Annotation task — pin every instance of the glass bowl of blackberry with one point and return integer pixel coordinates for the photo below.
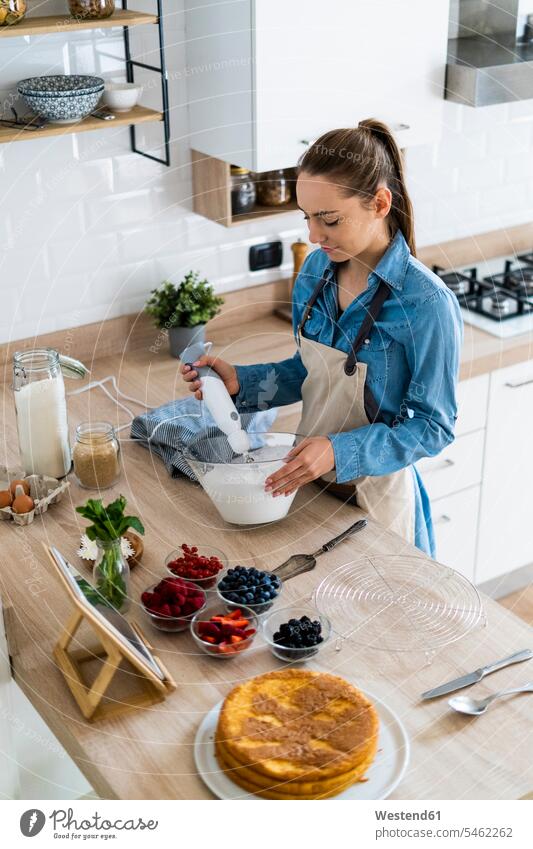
(252, 587)
(294, 634)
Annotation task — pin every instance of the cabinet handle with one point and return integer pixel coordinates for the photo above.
(442, 520)
(304, 141)
(403, 127)
(446, 464)
(519, 383)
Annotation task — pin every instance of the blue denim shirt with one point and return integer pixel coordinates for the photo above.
(412, 358)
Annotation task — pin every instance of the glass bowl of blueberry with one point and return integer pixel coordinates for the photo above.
(252, 587)
(294, 634)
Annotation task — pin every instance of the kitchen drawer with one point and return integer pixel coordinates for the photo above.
(459, 466)
(455, 522)
(472, 400)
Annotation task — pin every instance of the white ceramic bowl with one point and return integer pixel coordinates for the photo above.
(62, 98)
(121, 97)
(237, 488)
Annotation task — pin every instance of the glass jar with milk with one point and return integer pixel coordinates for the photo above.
(41, 408)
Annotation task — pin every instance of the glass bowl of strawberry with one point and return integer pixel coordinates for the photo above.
(224, 630)
(171, 604)
(199, 564)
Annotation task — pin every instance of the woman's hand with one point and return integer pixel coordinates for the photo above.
(308, 460)
(225, 370)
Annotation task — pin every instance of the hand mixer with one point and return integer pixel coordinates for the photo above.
(217, 398)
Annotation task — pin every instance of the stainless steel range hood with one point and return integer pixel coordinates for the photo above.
(490, 56)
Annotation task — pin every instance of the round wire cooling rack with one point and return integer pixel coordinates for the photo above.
(399, 603)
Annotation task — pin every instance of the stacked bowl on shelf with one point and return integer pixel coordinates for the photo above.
(62, 98)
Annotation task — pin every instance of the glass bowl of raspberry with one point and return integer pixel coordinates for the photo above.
(199, 564)
(171, 604)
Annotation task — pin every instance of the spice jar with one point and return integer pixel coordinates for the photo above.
(11, 11)
(274, 188)
(242, 190)
(91, 8)
(96, 455)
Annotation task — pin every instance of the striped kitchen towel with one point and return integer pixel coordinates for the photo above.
(169, 429)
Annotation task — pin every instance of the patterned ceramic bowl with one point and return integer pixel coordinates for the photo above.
(62, 98)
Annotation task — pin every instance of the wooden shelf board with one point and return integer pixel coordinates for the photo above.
(137, 115)
(262, 212)
(39, 25)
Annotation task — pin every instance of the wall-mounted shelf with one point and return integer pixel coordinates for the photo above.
(211, 180)
(124, 18)
(137, 115)
(40, 25)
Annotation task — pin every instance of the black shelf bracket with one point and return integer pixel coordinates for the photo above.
(162, 71)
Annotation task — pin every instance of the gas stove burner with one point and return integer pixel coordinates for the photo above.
(521, 278)
(457, 284)
(497, 296)
(454, 280)
(499, 303)
(528, 257)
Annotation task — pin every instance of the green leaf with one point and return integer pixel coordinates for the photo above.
(131, 522)
(108, 523)
(191, 303)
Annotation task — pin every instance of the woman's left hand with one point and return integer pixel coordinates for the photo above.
(308, 460)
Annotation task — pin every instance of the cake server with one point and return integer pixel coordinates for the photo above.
(477, 675)
(299, 563)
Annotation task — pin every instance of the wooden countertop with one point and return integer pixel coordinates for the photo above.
(148, 754)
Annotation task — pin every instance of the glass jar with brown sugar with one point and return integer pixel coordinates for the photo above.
(96, 455)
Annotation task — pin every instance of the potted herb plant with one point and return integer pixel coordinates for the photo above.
(111, 569)
(183, 310)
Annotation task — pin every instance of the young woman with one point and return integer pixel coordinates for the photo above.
(378, 339)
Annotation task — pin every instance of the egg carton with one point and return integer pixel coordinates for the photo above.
(44, 490)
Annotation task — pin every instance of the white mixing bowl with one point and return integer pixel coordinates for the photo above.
(237, 487)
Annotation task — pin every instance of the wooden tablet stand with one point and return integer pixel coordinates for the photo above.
(90, 698)
(113, 649)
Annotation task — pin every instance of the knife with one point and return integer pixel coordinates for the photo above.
(474, 677)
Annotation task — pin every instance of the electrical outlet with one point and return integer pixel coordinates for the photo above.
(266, 255)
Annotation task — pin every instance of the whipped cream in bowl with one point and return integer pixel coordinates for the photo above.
(235, 483)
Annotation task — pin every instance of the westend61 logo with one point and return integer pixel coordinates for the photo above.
(65, 825)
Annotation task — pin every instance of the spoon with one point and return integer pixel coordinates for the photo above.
(475, 707)
(299, 563)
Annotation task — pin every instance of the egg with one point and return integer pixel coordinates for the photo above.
(5, 498)
(24, 484)
(22, 504)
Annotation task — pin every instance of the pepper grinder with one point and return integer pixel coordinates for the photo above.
(299, 252)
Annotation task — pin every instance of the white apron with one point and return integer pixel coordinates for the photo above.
(336, 399)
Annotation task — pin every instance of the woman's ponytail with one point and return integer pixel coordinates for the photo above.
(361, 159)
(402, 208)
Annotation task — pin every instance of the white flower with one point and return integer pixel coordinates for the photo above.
(88, 549)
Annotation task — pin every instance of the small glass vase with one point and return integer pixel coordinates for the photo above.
(112, 575)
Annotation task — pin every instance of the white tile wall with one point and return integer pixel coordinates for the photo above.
(88, 228)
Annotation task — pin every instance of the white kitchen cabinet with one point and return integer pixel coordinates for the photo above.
(9, 771)
(472, 400)
(459, 466)
(266, 76)
(506, 510)
(455, 520)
